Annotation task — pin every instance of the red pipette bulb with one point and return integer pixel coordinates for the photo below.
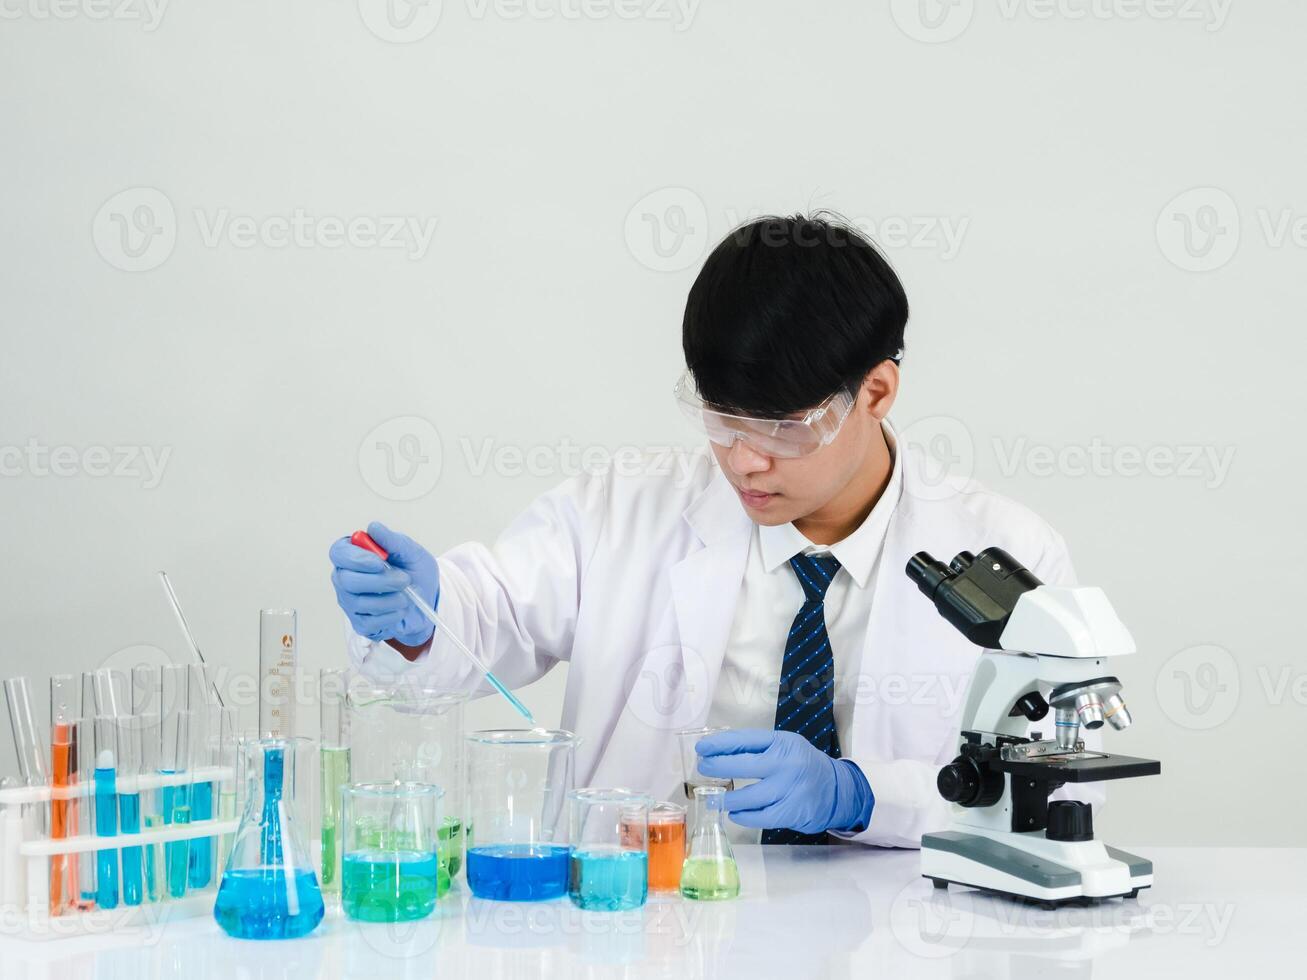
(364, 540)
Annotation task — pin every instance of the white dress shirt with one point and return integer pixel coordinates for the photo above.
(770, 597)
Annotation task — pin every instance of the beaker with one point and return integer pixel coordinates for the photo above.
(269, 890)
(391, 869)
(689, 738)
(610, 849)
(518, 781)
(666, 846)
(710, 872)
(411, 733)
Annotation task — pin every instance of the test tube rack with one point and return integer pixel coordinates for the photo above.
(25, 853)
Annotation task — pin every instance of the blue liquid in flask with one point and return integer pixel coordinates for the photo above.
(263, 903)
(518, 872)
(276, 895)
(609, 880)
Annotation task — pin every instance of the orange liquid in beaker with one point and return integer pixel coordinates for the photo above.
(666, 855)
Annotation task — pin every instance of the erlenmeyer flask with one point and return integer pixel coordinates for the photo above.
(269, 890)
(710, 873)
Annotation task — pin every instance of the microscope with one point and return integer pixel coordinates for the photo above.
(1045, 649)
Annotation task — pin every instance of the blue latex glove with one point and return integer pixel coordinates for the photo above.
(799, 786)
(372, 591)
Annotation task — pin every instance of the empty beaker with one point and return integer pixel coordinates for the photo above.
(391, 869)
(516, 828)
(269, 890)
(609, 869)
(710, 872)
(411, 732)
(666, 846)
(689, 738)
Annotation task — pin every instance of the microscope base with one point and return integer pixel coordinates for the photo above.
(1030, 866)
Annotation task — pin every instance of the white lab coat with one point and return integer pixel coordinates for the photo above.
(633, 580)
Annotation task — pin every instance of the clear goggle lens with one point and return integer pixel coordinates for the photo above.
(786, 438)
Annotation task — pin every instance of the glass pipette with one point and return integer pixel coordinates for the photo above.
(363, 540)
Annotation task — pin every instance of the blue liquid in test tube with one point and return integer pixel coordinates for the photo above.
(129, 819)
(201, 849)
(518, 872)
(106, 825)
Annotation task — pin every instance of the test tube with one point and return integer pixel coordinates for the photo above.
(145, 690)
(27, 746)
(334, 751)
(112, 696)
(84, 774)
(203, 733)
(28, 821)
(174, 759)
(63, 810)
(106, 809)
(151, 804)
(226, 759)
(277, 663)
(129, 805)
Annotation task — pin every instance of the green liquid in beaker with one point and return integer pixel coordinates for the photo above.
(391, 886)
(710, 879)
(451, 845)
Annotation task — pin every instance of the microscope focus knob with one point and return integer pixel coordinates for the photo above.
(1070, 820)
(968, 783)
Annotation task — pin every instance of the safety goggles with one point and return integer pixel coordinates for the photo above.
(786, 438)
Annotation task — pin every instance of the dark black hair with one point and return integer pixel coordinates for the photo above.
(787, 311)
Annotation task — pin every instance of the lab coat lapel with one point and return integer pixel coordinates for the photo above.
(904, 632)
(677, 679)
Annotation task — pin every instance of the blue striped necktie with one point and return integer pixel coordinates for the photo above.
(805, 702)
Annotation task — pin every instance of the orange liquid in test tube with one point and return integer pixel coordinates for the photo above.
(63, 822)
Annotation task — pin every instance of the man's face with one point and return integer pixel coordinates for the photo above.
(778, 491)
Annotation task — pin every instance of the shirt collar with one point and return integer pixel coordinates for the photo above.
(859, 551)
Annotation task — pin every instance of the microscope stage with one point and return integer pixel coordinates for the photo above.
(1083, 767)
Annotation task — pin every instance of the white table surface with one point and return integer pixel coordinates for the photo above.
(845, 911)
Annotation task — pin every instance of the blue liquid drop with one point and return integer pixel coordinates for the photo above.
(518, 872)
(253, 904)
(609, 880)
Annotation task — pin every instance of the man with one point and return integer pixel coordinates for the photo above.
(765, 593)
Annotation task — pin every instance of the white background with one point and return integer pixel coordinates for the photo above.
(1089, 296)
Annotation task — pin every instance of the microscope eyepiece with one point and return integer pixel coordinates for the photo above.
(976, 593)
(928, 573)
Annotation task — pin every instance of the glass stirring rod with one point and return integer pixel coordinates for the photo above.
(362, 539)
